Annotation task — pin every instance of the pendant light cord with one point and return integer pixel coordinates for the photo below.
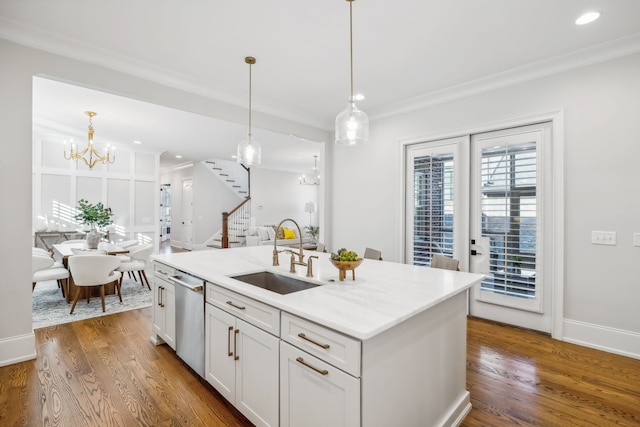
(250, 98)
(351, 44)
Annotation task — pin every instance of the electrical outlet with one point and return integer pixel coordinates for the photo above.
(603, 238)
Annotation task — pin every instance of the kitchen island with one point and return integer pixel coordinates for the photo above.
(386, 349)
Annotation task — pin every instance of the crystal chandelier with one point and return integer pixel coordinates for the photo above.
(89, 154)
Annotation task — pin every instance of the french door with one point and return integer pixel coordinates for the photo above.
(482, 200)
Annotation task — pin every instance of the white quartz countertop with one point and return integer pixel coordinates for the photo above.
(383, 295)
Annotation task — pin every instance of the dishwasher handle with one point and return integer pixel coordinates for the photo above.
(194, 288)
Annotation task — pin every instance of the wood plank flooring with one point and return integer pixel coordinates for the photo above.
(105, 371)
(524, 378)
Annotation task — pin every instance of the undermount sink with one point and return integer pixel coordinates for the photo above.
(275, 282)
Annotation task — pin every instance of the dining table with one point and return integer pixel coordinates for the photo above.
(64, 250)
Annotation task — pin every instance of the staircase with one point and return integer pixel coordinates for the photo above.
(232, 174)
(234, 224)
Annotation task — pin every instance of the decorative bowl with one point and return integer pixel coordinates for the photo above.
(344, 266)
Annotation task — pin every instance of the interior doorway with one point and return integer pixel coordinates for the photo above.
(165, 212)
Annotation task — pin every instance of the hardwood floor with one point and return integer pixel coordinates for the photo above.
(523, 378)
(105, 371)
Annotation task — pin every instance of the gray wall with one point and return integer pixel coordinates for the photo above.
(602, 146)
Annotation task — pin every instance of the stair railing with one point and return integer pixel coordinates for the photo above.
(235, 221)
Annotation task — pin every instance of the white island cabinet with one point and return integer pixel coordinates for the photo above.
(164, 306)
(241, 360)
(388, 349)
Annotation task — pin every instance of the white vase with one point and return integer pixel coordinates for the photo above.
(93, 238)
(42, 223)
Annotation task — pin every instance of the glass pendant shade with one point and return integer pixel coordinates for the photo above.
(352, 126)
(249, 152)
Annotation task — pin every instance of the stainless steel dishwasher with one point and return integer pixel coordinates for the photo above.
(190, 320)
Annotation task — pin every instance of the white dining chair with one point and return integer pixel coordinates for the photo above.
(140, 258)
(93, 270)
(372, 254)
(444, 262)
(44, 268)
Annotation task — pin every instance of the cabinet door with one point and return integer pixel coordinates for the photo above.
(219, 367)
(257, 374)
(169, 300)
(158, 311)
(314, 393)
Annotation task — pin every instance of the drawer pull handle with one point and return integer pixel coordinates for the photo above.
(235, 342)
(304, 337)
(236, 306)
(229, 341)
(320, 371)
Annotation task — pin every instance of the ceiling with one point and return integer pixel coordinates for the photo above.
(406, 54)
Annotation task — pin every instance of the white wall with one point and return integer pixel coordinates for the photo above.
(18, 66)
(211, 197)
(276, 195)
(129, 187)
(602, 146)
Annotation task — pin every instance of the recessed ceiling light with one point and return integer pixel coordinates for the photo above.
(137, 142)
(178, 156)
(234, 157)
(588, 17)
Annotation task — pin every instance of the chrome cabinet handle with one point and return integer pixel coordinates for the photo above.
(320, 371)
(235, 342)
(229, 341)
(236, 306)
(304, 337)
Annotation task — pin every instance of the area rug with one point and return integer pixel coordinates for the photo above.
(51, 308)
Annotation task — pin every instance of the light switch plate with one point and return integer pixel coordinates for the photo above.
(603, 238)
(636, 239)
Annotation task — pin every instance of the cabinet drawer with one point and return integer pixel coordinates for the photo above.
(258, 314)
(162, 270)
(339, 350)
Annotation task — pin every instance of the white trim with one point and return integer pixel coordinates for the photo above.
(611, 340)
(17, 349)
(37, 38)
(580, 58)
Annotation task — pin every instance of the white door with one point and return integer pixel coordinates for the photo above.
(507, 228)
(437, 191)
(187, 214)
(484, 199)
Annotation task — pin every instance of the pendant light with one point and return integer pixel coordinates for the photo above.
(249, 151)
(352, 125)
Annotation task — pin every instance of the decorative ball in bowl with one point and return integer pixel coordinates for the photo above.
(344, 261)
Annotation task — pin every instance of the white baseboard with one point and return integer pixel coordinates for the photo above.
(460, 411)
(603, 338)
(17, 349)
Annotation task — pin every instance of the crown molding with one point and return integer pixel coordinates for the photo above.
(37, 38)
(580, 58)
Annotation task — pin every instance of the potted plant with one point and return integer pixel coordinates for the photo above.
(94, 216)
(312, 231)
